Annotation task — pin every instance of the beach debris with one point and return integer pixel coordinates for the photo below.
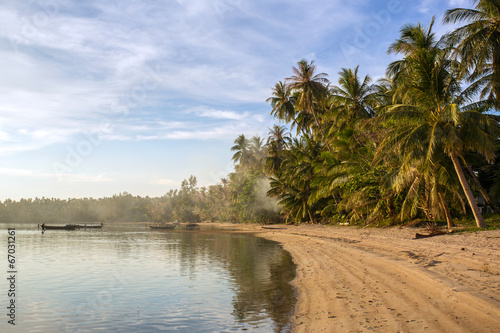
(432, 234)
(433, 230)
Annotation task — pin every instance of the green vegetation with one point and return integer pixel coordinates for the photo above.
(467, 224)
(419, 144)
(415, 145)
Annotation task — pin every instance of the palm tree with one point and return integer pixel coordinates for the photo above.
(279, 135)
(293, 186)
(425, 185)
(413, 39)
(310, 88)
(241, 149)
(430, 116)
(258, 152)
(478, 43)
(355, 98)
(278, 140)
(282, 102)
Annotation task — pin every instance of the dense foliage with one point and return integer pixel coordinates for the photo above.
(413, 145)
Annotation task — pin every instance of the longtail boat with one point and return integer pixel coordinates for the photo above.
(164, 226)
(59, 227)
(90, 226)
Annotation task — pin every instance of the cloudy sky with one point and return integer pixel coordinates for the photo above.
(101, 97)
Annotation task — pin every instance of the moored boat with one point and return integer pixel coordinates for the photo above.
(164, 226)
(59, 227)
(90, 225)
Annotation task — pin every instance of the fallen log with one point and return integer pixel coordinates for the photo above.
(432, 234)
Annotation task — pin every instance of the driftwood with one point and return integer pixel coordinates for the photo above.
(432, 234)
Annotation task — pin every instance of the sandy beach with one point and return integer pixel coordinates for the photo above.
(383, 280)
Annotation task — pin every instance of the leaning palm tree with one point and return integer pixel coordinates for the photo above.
(425, 184)
(478, 43)
(432, 116)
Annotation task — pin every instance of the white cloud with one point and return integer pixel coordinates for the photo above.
(67, 177)
(82, 177)
(85, 62)
(4, 136)
(166, 182)
(221, 114)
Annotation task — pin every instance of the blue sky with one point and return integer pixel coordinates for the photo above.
(101, 97)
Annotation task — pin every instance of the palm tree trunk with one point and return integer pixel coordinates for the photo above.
(468, 193)
(300, 128)
(495, 77)
(449, 219)
(310, 216)
(480, 187)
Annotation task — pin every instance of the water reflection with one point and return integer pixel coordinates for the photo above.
(126, 278)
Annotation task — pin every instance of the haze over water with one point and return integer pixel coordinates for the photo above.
(125, 278)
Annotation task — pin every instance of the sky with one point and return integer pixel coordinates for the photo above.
(102, 97)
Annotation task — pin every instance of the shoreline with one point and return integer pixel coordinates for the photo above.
(352, 279)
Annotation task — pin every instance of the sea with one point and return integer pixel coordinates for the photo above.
(127, 277)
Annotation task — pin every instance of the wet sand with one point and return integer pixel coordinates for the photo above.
(383, 280)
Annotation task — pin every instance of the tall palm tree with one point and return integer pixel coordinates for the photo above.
(249, 154)
(430, 116)
(310, 87)
(413, 39)
(478, 43)
(416, 43)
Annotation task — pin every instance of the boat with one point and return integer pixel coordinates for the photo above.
(90, 226)
(192, 226)
(59, 227)
(164, 226)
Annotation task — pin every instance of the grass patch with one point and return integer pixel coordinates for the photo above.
(468, 224)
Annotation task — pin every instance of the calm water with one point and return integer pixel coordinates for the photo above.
(125, 278)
